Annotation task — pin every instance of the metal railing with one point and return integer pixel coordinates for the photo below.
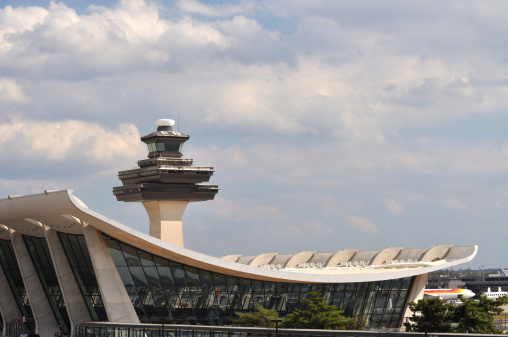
(99, 329)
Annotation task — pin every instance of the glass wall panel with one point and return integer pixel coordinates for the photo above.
(146, 259)
(40, 256)
(187, 295)
(159, 147)
(208, 288)
(115, 252)
(79, 259)
(11, 270)
(281, 290)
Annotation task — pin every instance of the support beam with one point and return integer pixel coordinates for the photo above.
(415, 294)
(166, 220)
(74, 301)
(45, 321)
(118, 305)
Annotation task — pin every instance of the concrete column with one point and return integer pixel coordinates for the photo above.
(45, 321)
(415, 294)
(118, 305)
(74, 301)
(166, 220)
(8, 305)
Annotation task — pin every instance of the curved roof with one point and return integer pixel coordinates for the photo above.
(64, 212)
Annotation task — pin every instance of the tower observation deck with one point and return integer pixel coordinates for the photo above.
(165, 182)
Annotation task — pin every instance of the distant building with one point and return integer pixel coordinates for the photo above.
(63, 263)
(475, 283)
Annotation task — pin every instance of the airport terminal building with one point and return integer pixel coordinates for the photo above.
(63, 264)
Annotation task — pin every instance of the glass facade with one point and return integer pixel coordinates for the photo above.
(79, 259)
(41, 258)
(164, 290)
(11, 270)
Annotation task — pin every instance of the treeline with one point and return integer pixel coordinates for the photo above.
(470, 316)
(431, 315)
(319, 314)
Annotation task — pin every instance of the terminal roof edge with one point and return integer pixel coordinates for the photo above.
(69, 213)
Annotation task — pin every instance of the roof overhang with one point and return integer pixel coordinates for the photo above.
(64, 212)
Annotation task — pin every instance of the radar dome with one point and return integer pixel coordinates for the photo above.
(164, 122)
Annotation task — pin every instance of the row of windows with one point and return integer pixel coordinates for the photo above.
(161, 147)
(79, 259)
(163, 289)
(160, 288)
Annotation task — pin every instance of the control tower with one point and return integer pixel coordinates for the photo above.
(165, 182)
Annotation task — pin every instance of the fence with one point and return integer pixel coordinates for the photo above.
(97, 329)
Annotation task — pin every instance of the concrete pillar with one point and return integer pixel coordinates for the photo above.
(114, 296)
(166, 220)
(74, 301)
(45, 321)
(8, 305)
(415, 294)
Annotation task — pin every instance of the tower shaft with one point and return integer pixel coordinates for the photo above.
(166, 220)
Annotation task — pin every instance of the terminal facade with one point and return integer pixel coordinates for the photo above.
(63, 264)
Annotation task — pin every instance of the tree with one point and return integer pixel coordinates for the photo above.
(477, 316)
(433, 311)
(471, 316)
(260, 317)
(319, 314)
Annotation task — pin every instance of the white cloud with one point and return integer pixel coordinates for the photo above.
(38, 142)
(11, 91)
(26, 186)
(361, 224)
(318, 227)
(61, 42)
(394, 206)
(196, 7)
(244, 210)
(15, 20)
(454, 203)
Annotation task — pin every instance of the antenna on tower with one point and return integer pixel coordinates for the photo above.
(178, 117)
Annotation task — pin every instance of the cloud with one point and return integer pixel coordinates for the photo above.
(244, 211)
(29, 185)
(308, 110)
(32, 144)
(58, 42)
(454, 203)
(196, 7)
(394, 206)
(361, 224)
(318, 227)
(11, 91)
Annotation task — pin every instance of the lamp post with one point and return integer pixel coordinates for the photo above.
(162, 322)
(426, 325)
(277, 321)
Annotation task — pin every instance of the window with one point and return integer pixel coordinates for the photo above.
(164, 147)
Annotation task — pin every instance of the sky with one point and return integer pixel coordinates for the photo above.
(330, 124)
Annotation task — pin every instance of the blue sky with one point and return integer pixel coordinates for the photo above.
(331, 125)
